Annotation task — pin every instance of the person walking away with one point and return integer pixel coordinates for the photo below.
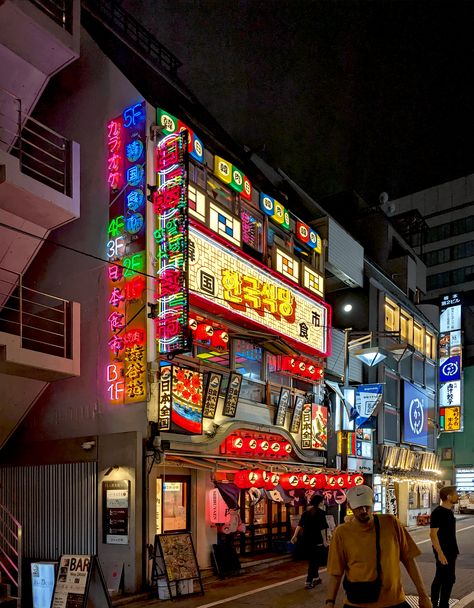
(367, 551)
(314, 526)
(445, 547)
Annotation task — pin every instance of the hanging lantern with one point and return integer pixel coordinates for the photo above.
(286, 448)
(331, 482)
(358, 479)
(204, 332)
(192, 324)
(234, 444)
(289, 481)
(256, 478)
(340, 481)
(246, 479)
(250, 445)
(275, 447)
(304, 480)
(263, 446)
(313, 481)
(241, 480)
(320, 481)
(273, 479)
(220, 339)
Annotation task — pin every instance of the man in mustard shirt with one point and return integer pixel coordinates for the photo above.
(352, 553)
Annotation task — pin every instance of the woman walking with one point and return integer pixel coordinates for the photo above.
(314, 526)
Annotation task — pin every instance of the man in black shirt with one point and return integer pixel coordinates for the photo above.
(314, 526)
(445, 547)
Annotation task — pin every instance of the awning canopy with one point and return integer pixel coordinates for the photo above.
(213, 463)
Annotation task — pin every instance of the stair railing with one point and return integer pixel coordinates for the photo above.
(11, 534)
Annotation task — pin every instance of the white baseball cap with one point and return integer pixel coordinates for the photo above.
(360, 496)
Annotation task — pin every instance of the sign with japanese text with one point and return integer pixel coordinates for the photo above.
(126, 244)
(170, 207)
(306, 427)
(450, 387)
(319, 427)
(297, 411)
(232, 395)
(180, 404)
(237, 287)
(367, 399)
(212, 392)
(417, 408)
(115, 511)
(282, 407)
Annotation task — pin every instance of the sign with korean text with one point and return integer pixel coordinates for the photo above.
(239, 288)
(233, 177)
(170, 207)
(125, 250)
(275, 210)
(180, 400)
(171, 125)
(211, 399)
(232, 395)
(308, 236)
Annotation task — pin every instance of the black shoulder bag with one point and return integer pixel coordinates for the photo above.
(366, 592)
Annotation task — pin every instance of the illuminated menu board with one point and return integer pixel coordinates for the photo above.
(450, 365)
(125, 249)
(171, 235)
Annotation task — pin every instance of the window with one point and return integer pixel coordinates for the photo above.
(430, 376)
(219, 193)
(406, 327)
(172, 503)
(429, 345)
(252, 227)
(197, 175)
(391, 390)
(439, 256)
(392, 315)
(463, 250)
(418, 370)
(272, 372)
(419, 337)
(248, 359)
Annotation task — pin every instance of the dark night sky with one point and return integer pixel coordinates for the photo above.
(365, 95)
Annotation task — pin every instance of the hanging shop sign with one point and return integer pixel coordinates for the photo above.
(180, 400)
(275, 210)
(126, 244)
(233, 177)
(417, 408)
(171, 125)
(283, 404)
(368, 397)
(170, 207)
(238, 288)
(211, 394)
(297, 412)
(232, 395)
(314, 420)
(248, 443)
(450, 389)
(308, 236)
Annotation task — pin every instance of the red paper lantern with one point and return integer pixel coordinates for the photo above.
(275, 448)
(313, 482)
(252, 478)
(220, 339)
(256, 478)
(241, 480)
(192, 324)
(263, 446)
(289, 481)
(340, 481)
(204, 332)
(285, 448)
(234, 444)
(331, 482)
(358, 479)
(250, 445)
(320, 481)
(304, 480)
(270, 480)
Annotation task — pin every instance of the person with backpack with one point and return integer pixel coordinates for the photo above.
(314, 526)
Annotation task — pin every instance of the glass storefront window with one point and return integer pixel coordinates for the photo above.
(172, 504)
(248, 359)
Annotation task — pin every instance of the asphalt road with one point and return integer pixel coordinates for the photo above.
(283, 585)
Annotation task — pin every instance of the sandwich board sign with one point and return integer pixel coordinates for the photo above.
(80, 583)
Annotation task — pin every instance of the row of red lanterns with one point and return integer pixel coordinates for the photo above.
(205, 332)
(301, 367)
(235, 444)
(257, 478)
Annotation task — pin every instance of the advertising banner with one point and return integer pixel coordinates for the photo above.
(368, 397)
(417, 408)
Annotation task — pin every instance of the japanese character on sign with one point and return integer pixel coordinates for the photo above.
(115, 321)
(116, 297)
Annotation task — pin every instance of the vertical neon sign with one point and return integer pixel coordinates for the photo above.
(170, 206)
(126, 244)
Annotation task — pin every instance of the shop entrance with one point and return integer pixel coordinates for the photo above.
(173, 503)
(267, 523)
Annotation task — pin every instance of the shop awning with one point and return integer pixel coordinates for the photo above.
(212, 462)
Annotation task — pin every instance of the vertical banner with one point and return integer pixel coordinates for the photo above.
(171, 235)
(296, 417)
(232, 395)
(213, 387)
(451, 416)
(314, 422)
(283, 404)
(126, 244)
(180, 405)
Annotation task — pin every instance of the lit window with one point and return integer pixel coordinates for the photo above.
(392, 312)
(418, 337)
(429, 345)
(406, 327)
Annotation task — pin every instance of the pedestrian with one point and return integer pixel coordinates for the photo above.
(445, 547)
(367, 551)
(314, 526)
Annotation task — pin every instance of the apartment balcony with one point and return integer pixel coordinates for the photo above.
(38, 38)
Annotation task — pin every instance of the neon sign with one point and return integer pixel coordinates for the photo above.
(236, 287)
(233, 177)
(170, 206)
(171, 125)
(275, 210)
(126, 320)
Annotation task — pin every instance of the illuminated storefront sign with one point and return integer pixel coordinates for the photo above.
(238, 287)
(450, 365)
(417, 408)
(180, 400)
(171, 125)
(233, 177)
(314, 421)
(307, 235)
(170, 206)
(275, 210)
(125, 249)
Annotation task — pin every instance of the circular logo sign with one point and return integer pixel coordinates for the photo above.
(416, 416)
(450, 369)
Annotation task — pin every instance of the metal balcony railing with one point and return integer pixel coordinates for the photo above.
(59, 11)
(44, 154)
(10, 550)
(41, 320)
(124, 25)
